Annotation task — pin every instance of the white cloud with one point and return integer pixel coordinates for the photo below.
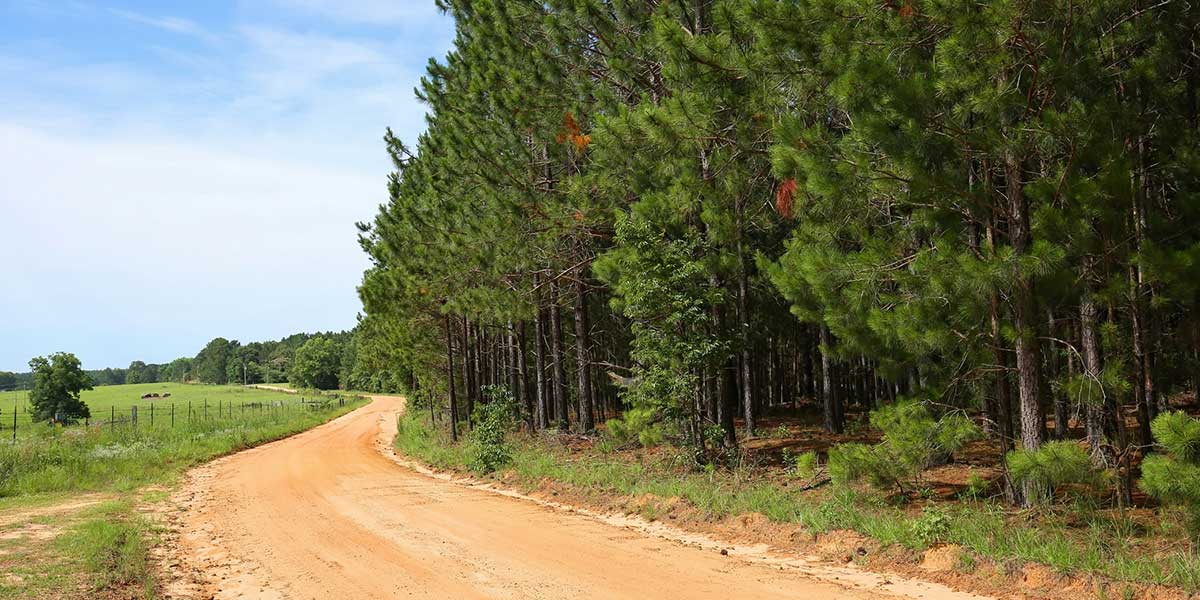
(166, 193)
(149, 238)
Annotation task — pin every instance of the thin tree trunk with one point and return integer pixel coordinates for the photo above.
(1097, 403)
(726, 386)
(829, 396)
(1028, 350)
(1061, 410)
(556, 350)
(544, 395)
(470, 371)
(450, 379)
(743, 300)
(523, 373)
(582, 359)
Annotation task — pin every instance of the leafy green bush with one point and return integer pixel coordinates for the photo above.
(1175, 477)
(931, 527)
(642, 424)
(912, 442)
(1052, 466)
(492, 422)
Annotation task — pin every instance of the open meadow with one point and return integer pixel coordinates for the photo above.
(116, 402)
(73, 497)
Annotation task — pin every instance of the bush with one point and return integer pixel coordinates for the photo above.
(1052, 466)
(804, 465)
(641, 424)
(492, 422)
(1175, 477)
(912, 442)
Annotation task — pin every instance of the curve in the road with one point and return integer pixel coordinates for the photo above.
(327, 514)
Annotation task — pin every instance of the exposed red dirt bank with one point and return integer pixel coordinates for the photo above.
(329, 514)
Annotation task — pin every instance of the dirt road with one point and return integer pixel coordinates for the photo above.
(329, 514)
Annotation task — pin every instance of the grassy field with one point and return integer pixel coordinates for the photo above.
(71, 524)
(117, 401)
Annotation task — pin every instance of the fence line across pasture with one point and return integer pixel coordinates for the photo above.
(174, 414)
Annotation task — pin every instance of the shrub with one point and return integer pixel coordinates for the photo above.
(640, 424)
(1052, 466)
(805, 465)
(931, 527)
(912, 442)
(1174, 478)
(492, 422)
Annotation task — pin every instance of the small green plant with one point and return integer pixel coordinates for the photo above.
(977, 486)
(804, 465)
(912, 442)
(931, 527)
(493, 420)
(641, 424)
(781, 432)
(1174, 478)
(1052, 466)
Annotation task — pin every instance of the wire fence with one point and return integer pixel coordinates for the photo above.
(169, 414)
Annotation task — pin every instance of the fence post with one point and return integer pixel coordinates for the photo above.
(133, 416)
(112, 416)
(206, 409)
(172, 415)
(152, 415)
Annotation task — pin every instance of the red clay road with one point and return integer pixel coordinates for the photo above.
(329, 514)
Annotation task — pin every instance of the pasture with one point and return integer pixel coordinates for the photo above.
(116, 403)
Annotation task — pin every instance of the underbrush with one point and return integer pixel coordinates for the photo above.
(1071, 539)
(123, 457)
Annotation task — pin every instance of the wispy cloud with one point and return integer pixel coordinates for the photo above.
(167, 23)
(160, 191)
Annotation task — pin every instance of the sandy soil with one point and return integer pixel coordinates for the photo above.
(331, 513)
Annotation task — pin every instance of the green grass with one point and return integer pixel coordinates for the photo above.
(113, 543)
(1068, 539)
(109, 401)
(125, 456)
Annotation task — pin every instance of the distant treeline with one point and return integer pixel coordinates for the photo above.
(346, 360)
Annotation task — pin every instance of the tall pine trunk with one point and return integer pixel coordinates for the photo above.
(544, 396)
(526, 396)
(743, 300)
(583, 364)
(1028, 351)
(1097, 408)
(829, 393)
(470, 366)
(558, 355)
(450, 379)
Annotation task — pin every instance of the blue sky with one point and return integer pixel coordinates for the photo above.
(175, 171)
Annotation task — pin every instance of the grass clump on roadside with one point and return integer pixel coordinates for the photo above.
(1070, 539)
(113, 543)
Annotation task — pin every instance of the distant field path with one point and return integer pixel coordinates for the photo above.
(330, 514)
